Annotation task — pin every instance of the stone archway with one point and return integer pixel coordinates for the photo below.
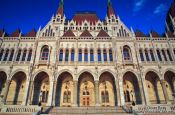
(86, 90)
(64, 90)
(3, 78)
(41, 89)
(170, 84)
(107, 90)
(16, 89)
(131, 89)
(154, 88)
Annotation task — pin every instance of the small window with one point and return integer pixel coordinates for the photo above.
(61, 55)
(18, 55)
(99, 55)
(11, 55)
(91, 55)
(6, 55)
(45, 53)
(110, 55)
(29, 55)
(67, 55)
(24, 55)
(105, 55)
(86, 55)
(80, 55)
(126, 53)
(72, 55)
(141, 55)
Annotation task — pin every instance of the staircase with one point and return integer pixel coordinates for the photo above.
(85, 111)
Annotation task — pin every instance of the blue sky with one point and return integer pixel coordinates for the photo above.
(145, 15)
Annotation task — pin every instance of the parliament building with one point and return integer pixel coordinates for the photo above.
(87, 62)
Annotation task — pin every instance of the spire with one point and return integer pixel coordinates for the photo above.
(60, 10)
(110, 10)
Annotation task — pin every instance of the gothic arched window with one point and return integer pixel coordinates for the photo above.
(147, 55)
(29, 55)
(159, 55)
(126, 53)
(164, 55)
(1, 53)
(86, 55)
(72, 55)
(11, 54)
(169, 55)
(105, 97)
(24, 55)
(110, 55)
(67, 97)
(44, 53)
(152, 55)
(67, 55)
(99, 55)
(91, 55)
(141, 55)
(80, 55)
(105, 55)
(6, 55)
(18, 55)
(61, 55)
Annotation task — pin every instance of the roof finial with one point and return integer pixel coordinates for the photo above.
(109, 2)
(61, 2)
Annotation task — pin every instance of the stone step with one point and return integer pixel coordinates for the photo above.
(85, 111)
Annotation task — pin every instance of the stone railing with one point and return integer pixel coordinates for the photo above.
(142, 109)
(20, 109)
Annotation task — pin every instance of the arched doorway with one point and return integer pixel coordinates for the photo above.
(154, 88)
(170, 84)
(107, 90)
(16, 89)
(86, 90)
(131, 89)
(41, 89)
(3, 78)
(64, 90)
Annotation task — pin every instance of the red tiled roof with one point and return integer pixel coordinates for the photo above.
(81, 17)
(86, 33)
(16, 33)
(69, 33)
(170, 34)
(1, 33)
(60, 10)
(155, 34)
(110, 11)
(32, 33)
(102, 33)
(138, 33)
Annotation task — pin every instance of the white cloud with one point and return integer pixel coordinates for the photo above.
(138, 5)
(160, 9)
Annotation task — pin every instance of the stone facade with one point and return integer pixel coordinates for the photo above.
(86, 61)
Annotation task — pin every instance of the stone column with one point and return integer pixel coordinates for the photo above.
(163, 60)
(145, 91)
(27, 54)
(141, 92)
(162, 82)
(118, 93)
(6, 91)
(54, 92)
(49, 102)
(75, 103)
(144, 56)
(97, 93)
(69, 56)
(107, 53)
(83, 56)
(122, 99)
(24, 102)
(149, 55)
(89, 60)
(64, 55)
(30, 92)
(102, 57)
